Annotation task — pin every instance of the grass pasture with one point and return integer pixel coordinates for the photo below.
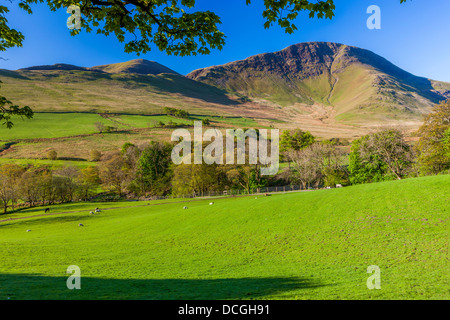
(309, 245)
(52, 125)
(73, 135)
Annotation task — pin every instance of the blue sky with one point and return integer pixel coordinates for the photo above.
(415, 36)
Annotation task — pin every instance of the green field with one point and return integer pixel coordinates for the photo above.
(309, 245)
(73, 135)
(55, 164)
(57, 125)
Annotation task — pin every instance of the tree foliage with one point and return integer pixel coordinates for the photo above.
(433, 157)
(8, 109)
(319, 164)
(9, 186)
(10, 38)
(380, 156)
(295, 140)
(153, 167)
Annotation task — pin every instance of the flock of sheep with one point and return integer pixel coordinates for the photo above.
(97, 210)
(211, 203)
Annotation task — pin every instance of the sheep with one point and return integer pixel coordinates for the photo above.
(28, 230)
(339, 186)
(97, 210)
(91, 212)
(81, 225)
(185, 208)
(47, 210)
(211, 203)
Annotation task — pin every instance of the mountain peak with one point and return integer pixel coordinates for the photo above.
(57, 66)
(137, 66)
(354, 82)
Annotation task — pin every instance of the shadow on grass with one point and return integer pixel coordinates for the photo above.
(56, 208)
(30, 222)
(37, 287)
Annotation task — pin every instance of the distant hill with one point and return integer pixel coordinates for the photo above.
(139, 66)
(133, 87)
(58, 66)
(348, 84)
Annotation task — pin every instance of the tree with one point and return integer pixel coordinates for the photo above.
(195, 179)
(380, 156)
(334, 170)
(446, 142)
(152, 172)
(29, 187)
(99, 126)
(364, 171)
(179, 113)
(246, 177)
(65, 183)
(112, 173)
(7, 110)
(10, 38)
(9, 186)
(319, 164)
(433, 157)
(52, 155)
(88, 180)
(95, 155)
(46, 187)
(170, 25)
(294, 140)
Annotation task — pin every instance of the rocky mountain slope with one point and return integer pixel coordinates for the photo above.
(337, 82)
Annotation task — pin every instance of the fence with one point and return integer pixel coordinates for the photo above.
(228, 193)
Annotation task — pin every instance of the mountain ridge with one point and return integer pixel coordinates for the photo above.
(136, 66)
(317, 86)
(312, 73)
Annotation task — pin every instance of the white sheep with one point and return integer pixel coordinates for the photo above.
(211, 203)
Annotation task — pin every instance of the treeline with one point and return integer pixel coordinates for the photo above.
(147, 171)
(133, 172)
(42, 186)
(179, 113)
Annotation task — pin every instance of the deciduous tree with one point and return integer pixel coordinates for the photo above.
(9, 187)
(433, 157)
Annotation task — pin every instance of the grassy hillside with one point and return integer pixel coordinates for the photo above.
(99, 92)
(312, 245)
(138, 66)
(74, 135)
